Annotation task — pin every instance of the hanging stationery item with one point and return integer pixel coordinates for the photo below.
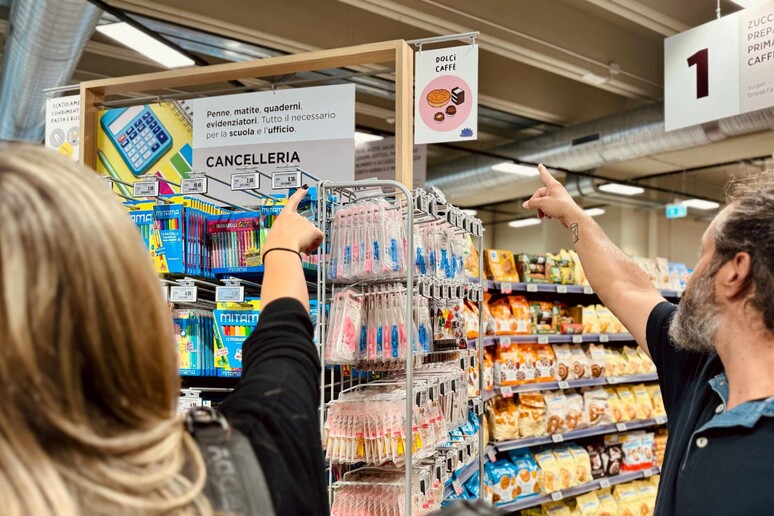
(234, 322)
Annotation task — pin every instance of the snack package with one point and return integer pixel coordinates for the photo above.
(520, 314)
(647, 493)
(582, 463)
(581, 364)
(515, 364)
(608, 323)
(662, 279)
(577, 269)
(527, 482)
(647, 364)
(532, 268)
(488, 370)
(631, 448)
(627, 497)
(553, 268)
(612, 455)
(544, 317)
(549, 471)
(566, 464)
(628, 404)
(503, 419)
(532, 414)
(587, 504)
(598, 356)
(616, 363)
(590, 319)
(563, 357)
(615, 404)
(470, 315)
(501, 312)
(659, 446)
(678, 275)
(607, 504)
(576, 417)
(644, 404)
(490, 324)
(596, 406)
(596, 451)
(556, 412)
(566, 267)
(545, 369)
(471, 258)
(649, 267)
(633, 360)
(657, 402)
(499, 266)
(566, 323)
(559, 508)
(501, 475)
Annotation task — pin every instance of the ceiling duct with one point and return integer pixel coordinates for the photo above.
(44, 43)
(621, 137)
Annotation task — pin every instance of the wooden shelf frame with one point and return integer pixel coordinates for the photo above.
(398, 52)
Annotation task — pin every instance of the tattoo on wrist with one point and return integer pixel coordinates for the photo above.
(575, 232)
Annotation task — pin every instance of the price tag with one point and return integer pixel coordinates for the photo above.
(506, 391)
(661, 420)
(679, 294)
(245, 181)
(531, 287)
(444, 291)
(165, 291)
(145, 189)
(557, 438)
(457, 486)
(557, 496)
(193, 185)
(283, 180)
(588, 290)
(506, 288)
(604, 483)
(561, 289)
(186, 403)
(604, 338)
(108, 181)
(577, 339)
(621, 427)
(436, 291)
(179, 294)
(492, 455)
(564, 384)
(648, 473)
(230, 294)
(543, 339)
(505, 341)
(613, 380)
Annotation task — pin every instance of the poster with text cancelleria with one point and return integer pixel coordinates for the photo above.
(311, 128)
(446, 94)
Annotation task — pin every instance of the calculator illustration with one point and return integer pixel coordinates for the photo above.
(138, 135)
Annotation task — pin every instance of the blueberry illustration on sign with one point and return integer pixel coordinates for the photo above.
(466, 133)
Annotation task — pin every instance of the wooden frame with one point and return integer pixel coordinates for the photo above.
(398, 52)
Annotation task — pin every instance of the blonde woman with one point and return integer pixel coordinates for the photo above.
(88, 367)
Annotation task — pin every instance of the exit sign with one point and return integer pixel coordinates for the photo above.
(676, 211)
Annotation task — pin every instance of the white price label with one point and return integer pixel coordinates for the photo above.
(506, 391)
(193, 185)
(557, 438)
(505, 341)
(621, 427)
(604, 483)
(230, 294)
(532, 287)
(564, 384)
(679, 294)
(506, 288)
(165, 291)
(182, 294)
(245, 181)
(613, 380)
(184, 404)
(492, 455)
(145, 189)
(561, 289)
(604, 338)
(648, 473)
(557, 496)
(108, 181)
(457, 486)
(543, 339)
(283, 180)
(577, 339)
(588, 290)
(661, 420)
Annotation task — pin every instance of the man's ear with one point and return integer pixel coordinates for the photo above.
(732, 278)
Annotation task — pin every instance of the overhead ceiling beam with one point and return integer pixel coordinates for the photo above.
(642, 15)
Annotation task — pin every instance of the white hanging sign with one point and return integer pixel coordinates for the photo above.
(446, 94)
(63, 125)
(720, 69)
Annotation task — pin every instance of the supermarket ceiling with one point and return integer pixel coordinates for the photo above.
(543, 65)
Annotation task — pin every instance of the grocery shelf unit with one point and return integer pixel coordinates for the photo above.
(341, 193)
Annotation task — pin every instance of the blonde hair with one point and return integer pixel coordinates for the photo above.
(88, 368)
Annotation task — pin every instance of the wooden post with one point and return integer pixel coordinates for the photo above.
(89, 125)
(404, 114)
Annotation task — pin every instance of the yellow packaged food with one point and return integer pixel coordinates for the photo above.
(607, 504)
(577, 269)
(642, 398)
(616, 364)
(587, 504)
(549, 471)
(504, 419)
(566, 463)
(556, 412)
(647, 499)
(576, 417)
(582, 463)
(628, 404)
(590, 320)
(616, 407)
(608, 323)
(598, 356)
(647, 364)
(499, 265)
(532, 414)
(596, 405)
(633, 360)
(627, 497)
(657, 402)
(559, 508)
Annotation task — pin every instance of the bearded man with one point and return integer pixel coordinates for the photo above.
(714, 351)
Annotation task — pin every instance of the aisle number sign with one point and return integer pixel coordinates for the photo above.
(720, 69)
(446, 94)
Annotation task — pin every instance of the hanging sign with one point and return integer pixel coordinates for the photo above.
(376, 160)
(720, 69)
(676, 211)
(446, 94)
(63, 125)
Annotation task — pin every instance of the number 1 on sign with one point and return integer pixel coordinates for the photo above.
(701, 60)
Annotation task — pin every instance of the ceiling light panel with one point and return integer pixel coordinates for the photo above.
(619, 189)
(140, 42)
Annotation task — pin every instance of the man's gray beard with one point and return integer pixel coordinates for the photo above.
(697, 318)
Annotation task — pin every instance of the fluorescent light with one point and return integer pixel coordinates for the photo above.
(595, 79)
(749, 3)
(144, 44)
(619, 189)
(515, 168)
(470, 212)
(524, 223)
(701, 204)
(367, 137)
(593, 212)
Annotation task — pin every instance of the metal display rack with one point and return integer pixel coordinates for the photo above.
(415, 209)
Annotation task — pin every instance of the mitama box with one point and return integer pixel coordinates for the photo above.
(166, 241)
(234, 322)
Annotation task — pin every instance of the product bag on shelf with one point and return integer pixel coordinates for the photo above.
(528, 483)
(596, 406)
(501, 475)
(559, 508)
(544, 317)
(598, 356)
(532, 414)
(644, 404)
(500, 266)
(576, 417)
(503, 415)
(628, 403)
(556, 412)
(587, 505)
(654, 391)
(520, 312)
(581, 364)
(549, 471)
(566, 462)
(532, 268)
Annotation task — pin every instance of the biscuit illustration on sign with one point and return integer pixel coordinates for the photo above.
(438, 98)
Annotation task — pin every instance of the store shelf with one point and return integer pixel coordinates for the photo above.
(462, 475)
(572, 384)
(507, 288)
(554, 339)
(578, 434)
(598, 483)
